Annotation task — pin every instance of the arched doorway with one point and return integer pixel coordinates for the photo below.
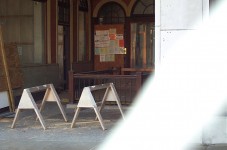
(142, 34)
(63, 41)
(111, 13)
(109, 37)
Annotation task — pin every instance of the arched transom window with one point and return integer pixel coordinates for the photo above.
(144, 7)
(142, 34)
(111, 13)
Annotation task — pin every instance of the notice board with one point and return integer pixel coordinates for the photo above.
(109, 46)
(13, 67)
(10, 73)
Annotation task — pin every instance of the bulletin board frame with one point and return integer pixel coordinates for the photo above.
(109, 57)
(10, 71)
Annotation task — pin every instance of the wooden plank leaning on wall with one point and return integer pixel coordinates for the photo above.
(6, 73)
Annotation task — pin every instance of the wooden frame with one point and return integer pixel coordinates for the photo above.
(87, 101)
(149, 70)
(27, 102)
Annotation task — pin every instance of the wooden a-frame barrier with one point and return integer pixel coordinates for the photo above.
(28, 102)
(87, 101)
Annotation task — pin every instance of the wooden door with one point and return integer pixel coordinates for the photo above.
(142, 45)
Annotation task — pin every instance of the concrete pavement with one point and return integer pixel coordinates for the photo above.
(28, 133)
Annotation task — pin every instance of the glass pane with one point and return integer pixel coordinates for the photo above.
(111, 13)
(149, 10)
(133, 44)
(23, 23)
(144, 7)
(139, 9)
(39, 33)
(63, 12)
(142, 53)
(82, 47)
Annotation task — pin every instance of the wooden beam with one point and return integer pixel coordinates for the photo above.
(98, 87)
(11, 98)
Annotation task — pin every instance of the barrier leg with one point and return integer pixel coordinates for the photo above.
(40, 118)
(41, 107)
(58, 102)
(117, 99)
(111, 95)
(103, 102)
(27, 102)
(99, 117)
(52, 96)
(44, 99)
(62, 111)
(104, 99)
(119, 106)
(15, 118)
(75, 117)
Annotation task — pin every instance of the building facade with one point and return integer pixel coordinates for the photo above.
(55, 36)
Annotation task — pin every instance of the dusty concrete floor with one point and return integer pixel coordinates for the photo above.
(28, 133)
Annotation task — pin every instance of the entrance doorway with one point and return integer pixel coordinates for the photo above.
(63, 54)
(142, 45)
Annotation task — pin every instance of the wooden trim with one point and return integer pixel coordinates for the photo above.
(75, 30)
(48, 28)
(87, 52)
(127, 39)
(142, 18)
(53, 35)
(93, 20)
(45, 31)
(71, 87)
(138, 81)
(16, 16)
(103, 2)
(71, 30)
(123, 70)
(21, 43)
(144, 50)
(51, 31)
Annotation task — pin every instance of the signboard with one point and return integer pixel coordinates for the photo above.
(109, 46)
